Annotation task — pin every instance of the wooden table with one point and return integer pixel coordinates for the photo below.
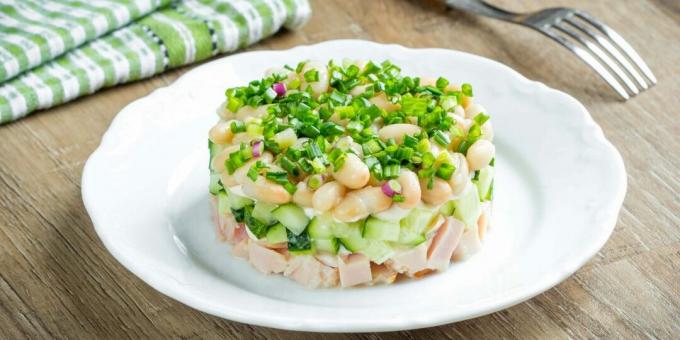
(57, 280)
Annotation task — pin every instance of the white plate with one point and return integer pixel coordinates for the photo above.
(559, 187)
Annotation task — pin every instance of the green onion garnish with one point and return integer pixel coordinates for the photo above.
(466, 89)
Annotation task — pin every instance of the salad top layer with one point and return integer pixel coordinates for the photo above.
(351, 139)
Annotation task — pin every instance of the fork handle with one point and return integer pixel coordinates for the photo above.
(482, 8)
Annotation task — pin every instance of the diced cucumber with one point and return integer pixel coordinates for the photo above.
(379, 230)
(291, 216)
(215, 184)
(410, 238)
(277, 234)
(413, 227)
(238, 202)
(378, 251)
(263, 212)
(467, 206)
(343, 230)
(484, 180)
(352, 239)
(321, 227)
(299, 244)
(285, 138)
(214, 150)
(223, 203)
(328, 245)
(447, 208)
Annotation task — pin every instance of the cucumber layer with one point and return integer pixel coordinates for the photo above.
(379, 230)
(263, 212)
(291, 216)
(467, 207)
(238, 202)
(277, 234)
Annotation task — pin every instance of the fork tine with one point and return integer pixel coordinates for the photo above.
(598, 52)
(617, 39)
(591, 61)
(612, 50)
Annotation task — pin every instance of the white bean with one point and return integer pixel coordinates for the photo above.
(459, 111)
(328, 196)
(354, 173)
(410, 189)
(303, 195)
(347, 143)
(440, 192)
(460, 177)
(218, 160)
(398, 131)
(382, 102)
(320, 86)
(487, 131)
(263, 190)
(251, 112)
(358, 90)
(473, 110)
(241, 137)
(480, 154)
(223, 112)
(239, 176)
(221, 133)
(360, 203)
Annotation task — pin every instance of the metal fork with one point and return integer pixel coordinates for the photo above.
(595, 43)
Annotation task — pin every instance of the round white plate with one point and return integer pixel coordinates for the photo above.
(559, 187)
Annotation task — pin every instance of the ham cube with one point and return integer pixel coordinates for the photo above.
(307, 270)
(266, 260)
(410, 261)
(354, 270)
(444, 243)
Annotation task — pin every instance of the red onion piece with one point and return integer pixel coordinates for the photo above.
(257, 149)
(280, 89)
(391, 188)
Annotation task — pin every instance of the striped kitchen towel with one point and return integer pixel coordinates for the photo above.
(52, 51)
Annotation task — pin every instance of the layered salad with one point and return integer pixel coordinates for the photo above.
(338, 174)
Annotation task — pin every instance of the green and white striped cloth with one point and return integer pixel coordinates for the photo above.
(54, 51)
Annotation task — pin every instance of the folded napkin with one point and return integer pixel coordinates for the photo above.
(54, 51)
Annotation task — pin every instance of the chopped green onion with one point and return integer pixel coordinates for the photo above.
(315, 181)
(313, 150)
(414, 106)
(252, 172)
(233, 104)
(289, 166)
(441, 138)
(467, 90)
(311, 76)
(442, 83)
(480, 118)
(300, 66)
(310, 131)
(391, 171)
(331, 129)
(445, 171)
(398, 198)
(371, 147)
(237, 126)
(339, 162)
(410, 141)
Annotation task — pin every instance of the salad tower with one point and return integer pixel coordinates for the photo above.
(340, 174)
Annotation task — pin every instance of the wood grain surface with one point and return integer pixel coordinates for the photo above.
(58, 281)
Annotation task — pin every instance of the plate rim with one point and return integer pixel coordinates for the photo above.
(587, 124)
